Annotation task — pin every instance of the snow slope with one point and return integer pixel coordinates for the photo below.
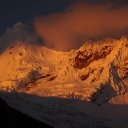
(96, 71)
(38, 81)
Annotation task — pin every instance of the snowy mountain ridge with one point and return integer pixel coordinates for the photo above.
(97, 71)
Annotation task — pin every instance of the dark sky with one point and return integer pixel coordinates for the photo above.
(12, 11)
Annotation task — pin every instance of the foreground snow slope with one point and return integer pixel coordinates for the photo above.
(96, 71)
(69, 113)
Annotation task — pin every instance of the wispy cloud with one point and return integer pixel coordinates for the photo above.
(82, 21)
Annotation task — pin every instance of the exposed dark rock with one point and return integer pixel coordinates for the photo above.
(84, 77)
(52, 78)
(48, 75)
(82, 59)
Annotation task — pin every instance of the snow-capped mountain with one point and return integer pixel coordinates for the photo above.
(97, 71)
(19, 31)
(82, 87)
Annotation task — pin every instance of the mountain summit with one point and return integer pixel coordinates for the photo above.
(97, 71)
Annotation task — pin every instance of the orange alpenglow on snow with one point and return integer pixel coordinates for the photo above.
(79, 73)
(63, 70)
(46, 84)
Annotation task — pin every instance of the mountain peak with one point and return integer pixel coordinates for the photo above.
(96, 71)
(18, 33)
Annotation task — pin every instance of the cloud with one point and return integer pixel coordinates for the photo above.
(19, 32)
(80, 22)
